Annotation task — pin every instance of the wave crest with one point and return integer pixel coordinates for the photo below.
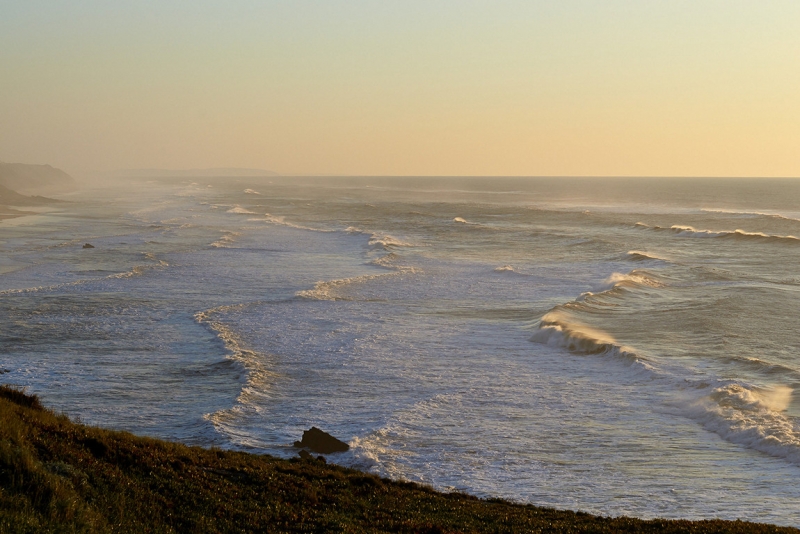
(386, 241)
(690, 231)
(332, 289)
(256, 376)
(239, 209)
(228, 237)
(752, 214)
(281, 221)
(633, 279)
(751, 417)
(637, 255)
(556, 329)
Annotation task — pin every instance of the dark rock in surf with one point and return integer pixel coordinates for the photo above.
(322, 442)
(88, 245)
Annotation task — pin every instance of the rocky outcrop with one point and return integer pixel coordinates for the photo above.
(321, 442)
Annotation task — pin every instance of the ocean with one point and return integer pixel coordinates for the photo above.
(617, 346)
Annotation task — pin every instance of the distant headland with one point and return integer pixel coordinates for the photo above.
(21, 185)
(28, 179)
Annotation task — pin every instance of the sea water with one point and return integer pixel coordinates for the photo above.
(618, 346)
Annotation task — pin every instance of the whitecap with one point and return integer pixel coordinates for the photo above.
(239, 209)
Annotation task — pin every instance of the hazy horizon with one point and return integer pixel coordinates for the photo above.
(618, 88)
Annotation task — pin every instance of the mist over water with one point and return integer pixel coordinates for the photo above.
(615, 346)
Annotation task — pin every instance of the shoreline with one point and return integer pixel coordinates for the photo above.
(7, 212)
(56, 474)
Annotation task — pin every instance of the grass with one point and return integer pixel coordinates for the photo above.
(60, 476)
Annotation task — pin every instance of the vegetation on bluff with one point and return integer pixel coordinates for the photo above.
(59, 476)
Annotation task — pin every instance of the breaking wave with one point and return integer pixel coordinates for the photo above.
(239, 209)
(386, 241)
(747, 415)
(633, 279)
(390, 261)
(618, 283)
(228, 237)
(378, 239)
(636, 255)
(558, 329)
(281, 221)
(689, 231)
(256, 376)
(509, 270)
(335, 289)
(137, 270)
(251, 192)
(752, 214)
(752, 417)
(330, 290)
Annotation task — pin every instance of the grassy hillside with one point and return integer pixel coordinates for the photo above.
(58, 476)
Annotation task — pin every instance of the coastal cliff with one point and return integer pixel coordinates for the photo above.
(57, 475)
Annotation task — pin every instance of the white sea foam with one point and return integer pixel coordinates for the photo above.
(633, 279)
(558, 329)
(256, 375)
(386, 241)
(390, 261)
(239, 209)
(746, 415)
(752, 417)
(336, 289)
(251, 192)
(378, 239)
(228, 237)
(688, 231)
(42, 289)
(281, 221)
(379, 447)
(136, 270)
(617, 283)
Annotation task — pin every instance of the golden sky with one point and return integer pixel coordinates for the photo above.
(404, 87)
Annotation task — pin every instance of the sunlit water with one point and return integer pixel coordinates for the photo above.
(614, 346)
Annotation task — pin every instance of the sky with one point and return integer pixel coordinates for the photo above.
(404, 87)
